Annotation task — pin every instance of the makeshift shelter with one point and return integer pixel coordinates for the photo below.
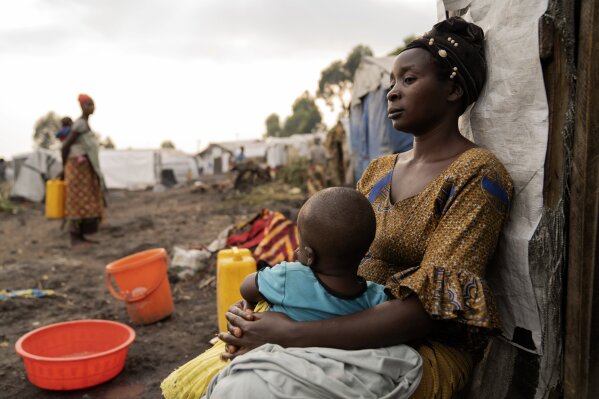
(32, 173)
(538, 115)
(215, 159)
(371, 133)
(130, 169)
(184, 166)
(281, 150)
(218, 157)
(252, 148)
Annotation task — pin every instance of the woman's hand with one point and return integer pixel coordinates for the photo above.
(245, 310)
(248, 330)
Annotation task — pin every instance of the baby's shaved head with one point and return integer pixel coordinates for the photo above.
(339, 222)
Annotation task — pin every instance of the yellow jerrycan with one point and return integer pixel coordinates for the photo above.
(232, 266)
(55, 199)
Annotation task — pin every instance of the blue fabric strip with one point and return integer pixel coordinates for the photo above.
(496, 190)
(378, 187)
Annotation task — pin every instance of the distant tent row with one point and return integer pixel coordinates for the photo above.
(122, 169)
(371, 133)
(281, 150)
(276, 151)
(140, 169)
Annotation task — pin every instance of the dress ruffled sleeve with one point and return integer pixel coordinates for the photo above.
(449, 281)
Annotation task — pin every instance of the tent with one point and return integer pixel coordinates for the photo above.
(215, 159)
(218, 157)
(130, 169)
(279, 150)
(33, 172)
(184, 166)
(371, 133)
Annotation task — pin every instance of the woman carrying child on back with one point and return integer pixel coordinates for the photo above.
(84, 182)
(439, 208)
(336, 227)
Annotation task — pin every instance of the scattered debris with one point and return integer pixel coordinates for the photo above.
(29, 294)
(206, 282)
(187, 262)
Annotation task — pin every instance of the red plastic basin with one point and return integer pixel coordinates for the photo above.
(75, 354)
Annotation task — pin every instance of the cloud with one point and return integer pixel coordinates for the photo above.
(215, 29)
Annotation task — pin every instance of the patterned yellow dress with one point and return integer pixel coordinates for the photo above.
(437, 245)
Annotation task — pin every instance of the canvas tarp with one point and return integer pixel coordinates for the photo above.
(511, 119)
(130, 169)
(279, 150)
(371, 132)
(34, 171)
(184, 167)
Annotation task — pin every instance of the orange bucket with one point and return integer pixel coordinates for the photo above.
(142, 284)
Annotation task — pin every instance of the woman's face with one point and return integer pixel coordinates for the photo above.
(88, 107)
(417, 99)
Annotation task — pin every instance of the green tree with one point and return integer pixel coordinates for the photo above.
(336, 80)
(44, 129)
(406, 40)
(273, 126)
(167, 144)
(355, 58)
(306, 116)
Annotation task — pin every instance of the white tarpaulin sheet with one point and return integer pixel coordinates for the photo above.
(184, 166)
(130, 169)
(38, 167)
(511, 119)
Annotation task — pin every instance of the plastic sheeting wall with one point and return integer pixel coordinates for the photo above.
(184, 167)
(511, 119)
(38, 167)
(371, 132)
(130, 169)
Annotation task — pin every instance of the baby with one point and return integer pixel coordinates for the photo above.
(336, 227)
(65, 128)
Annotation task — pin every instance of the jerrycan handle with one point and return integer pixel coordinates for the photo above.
(236, 255)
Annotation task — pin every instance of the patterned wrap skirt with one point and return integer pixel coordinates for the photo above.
(84, 202)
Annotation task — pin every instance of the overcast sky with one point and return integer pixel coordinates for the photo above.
(192, 71)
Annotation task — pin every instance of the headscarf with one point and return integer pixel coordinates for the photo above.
(84, 98)
(458, 45)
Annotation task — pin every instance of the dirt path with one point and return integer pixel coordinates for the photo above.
(35, 253)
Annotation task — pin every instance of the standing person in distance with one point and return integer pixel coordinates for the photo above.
(84, 182)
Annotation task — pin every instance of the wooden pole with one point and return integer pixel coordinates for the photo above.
(581, 369)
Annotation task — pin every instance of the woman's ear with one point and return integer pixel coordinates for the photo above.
(310, 256)
(456, 92)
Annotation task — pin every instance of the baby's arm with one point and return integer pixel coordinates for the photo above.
(249, 289)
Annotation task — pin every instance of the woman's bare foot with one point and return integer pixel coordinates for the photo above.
(80, 239)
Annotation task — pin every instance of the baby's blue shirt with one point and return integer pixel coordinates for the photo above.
(294, 289)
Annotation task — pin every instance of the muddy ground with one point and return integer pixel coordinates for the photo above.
(36, 253)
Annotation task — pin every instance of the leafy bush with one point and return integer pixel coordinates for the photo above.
(5, 204)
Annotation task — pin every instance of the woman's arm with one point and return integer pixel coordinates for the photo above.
(389, 323)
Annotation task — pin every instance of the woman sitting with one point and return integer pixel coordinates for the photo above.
(439, 208)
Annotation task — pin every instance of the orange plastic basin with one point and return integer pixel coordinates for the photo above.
(75, 354)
